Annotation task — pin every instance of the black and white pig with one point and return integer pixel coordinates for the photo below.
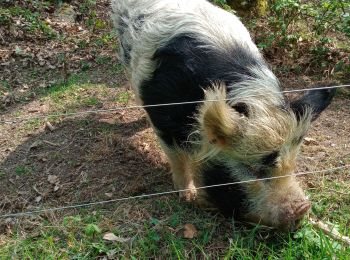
(191, 50)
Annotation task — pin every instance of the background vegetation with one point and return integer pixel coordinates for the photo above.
(314, 34)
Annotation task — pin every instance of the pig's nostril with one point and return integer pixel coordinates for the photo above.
(301, 209)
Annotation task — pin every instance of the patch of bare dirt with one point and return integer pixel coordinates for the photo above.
(96, 158)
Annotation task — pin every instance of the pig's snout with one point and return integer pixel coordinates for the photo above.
(299, 211)
(284, 218)
(289, 219)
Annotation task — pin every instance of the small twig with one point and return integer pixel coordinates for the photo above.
(332, 232)
(65, 147)
(47, 171)
(347, 154)
(49, 126)
(50, 143)
(65, 70)
(339, 192)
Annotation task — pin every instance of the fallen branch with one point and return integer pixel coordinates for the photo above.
(332, 232)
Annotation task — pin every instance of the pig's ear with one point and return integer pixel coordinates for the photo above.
(219, 121)
(315, 101)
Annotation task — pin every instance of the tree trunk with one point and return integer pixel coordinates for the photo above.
(245, 7)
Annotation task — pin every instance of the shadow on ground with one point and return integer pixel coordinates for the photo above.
(83, 160)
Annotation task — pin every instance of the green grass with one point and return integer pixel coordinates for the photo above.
(154, 229)
(22, 170)
(116, 68)
(4, 86)
(124, 97)
(73, 95)
(343, 93)
(77, 94)
(333, 203)
(33, 124)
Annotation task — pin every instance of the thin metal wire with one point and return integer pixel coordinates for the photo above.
(20, 214)
(312, 89)
(21, 119)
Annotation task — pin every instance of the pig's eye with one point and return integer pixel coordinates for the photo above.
(270, 159)
(242, 108)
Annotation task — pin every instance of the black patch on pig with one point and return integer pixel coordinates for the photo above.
(241, 108)
(186, 66)
(270, 159)
(230, 199)
(316, 100)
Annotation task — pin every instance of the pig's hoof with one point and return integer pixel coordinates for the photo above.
(189, 195)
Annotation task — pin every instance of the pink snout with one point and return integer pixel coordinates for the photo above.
(290, 219)
(300, 208)
(285, 217)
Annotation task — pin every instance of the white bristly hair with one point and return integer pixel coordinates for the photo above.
(165, 19)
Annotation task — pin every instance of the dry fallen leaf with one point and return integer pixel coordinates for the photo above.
(52, 179)
(309, 140)
(109, 195)
(43, 159)
(113, 238)
(38, 199)
(190, 231)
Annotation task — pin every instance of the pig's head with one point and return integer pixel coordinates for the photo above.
(259, 137)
